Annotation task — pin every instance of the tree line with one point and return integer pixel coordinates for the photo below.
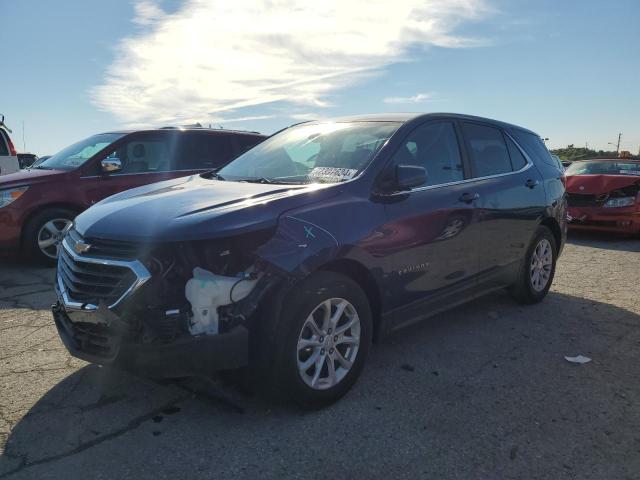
(571, 152)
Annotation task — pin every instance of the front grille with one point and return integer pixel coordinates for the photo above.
(102, 248)
(88, 282)
(96, 340)
(586, 200)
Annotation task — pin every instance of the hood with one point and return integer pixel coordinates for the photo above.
(595, 184)
(29, 177)
(194, 208)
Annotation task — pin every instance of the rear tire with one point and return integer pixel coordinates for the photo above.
(335, 346)
(43, 234)
(537, 269)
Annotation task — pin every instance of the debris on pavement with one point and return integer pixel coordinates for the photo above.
(580, 359)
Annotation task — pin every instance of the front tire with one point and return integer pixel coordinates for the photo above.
(322, 339)
(537, 269)
(44, 232)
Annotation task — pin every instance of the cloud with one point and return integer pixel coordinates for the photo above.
(419, 98)
(211, 58)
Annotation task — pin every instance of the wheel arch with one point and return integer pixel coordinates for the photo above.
(360, 274)
(49, 206)
(552, 224)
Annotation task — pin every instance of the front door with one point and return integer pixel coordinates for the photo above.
(431, 229)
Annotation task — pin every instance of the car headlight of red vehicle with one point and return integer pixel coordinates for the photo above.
(620, 202)
(10, 195)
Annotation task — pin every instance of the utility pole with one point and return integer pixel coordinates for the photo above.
(618, 147)
(24, 145)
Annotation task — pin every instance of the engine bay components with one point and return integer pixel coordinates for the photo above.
(207, 291)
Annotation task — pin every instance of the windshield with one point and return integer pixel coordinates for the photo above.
(606, 167)
(316, 153)
(75, 155)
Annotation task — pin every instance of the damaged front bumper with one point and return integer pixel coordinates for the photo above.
(108, 342)
(621, 220)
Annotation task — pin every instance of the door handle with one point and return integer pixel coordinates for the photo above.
(531, 183)
(468, 197)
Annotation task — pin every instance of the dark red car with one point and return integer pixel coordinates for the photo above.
(604, 194)
(37, 206)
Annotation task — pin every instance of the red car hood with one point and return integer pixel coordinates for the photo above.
(595, 184)
(28, 177)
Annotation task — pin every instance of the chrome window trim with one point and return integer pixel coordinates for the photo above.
(474, 179)
(139, 270)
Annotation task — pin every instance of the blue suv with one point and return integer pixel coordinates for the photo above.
(288, 262)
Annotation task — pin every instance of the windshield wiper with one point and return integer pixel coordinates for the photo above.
(257, 180)
(213, 174)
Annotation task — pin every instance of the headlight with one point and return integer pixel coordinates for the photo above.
(10, 195)
(620, 202)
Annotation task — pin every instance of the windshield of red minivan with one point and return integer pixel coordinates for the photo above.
(75, 155)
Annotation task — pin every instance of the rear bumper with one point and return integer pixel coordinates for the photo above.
(621, 220)
(185, 356)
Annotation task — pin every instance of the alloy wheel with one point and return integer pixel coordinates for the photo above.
(51, 234)
(328, 343)
(541, 264)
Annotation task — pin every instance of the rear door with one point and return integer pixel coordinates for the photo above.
(432, 228)
(511, 200)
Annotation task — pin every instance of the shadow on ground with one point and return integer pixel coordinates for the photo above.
(482, 391)
(23, 285)
(606, 241)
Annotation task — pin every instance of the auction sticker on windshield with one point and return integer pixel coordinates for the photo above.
(332, 174)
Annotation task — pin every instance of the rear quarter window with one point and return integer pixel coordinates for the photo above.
(4, 149)
(534, 146)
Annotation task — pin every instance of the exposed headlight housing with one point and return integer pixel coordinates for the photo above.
(11, 195)
(620, 202)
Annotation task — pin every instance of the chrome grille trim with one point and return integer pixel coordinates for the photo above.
(140, 272)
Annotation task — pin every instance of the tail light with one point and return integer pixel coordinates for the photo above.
(12, 149)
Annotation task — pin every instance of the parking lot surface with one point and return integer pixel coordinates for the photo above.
(482, 391)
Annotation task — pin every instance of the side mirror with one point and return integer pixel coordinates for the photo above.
(409, 176)
(110, 165)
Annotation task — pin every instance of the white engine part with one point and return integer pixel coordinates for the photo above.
(207, 291)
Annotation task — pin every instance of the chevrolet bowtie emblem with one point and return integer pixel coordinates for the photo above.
(81, 247)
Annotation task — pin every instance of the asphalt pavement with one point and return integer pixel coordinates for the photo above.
(479, 392)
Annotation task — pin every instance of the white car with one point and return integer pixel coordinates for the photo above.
(8, 156)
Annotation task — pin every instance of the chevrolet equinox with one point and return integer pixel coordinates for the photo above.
(285, 264)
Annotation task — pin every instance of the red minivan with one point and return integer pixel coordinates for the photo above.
(38, 205)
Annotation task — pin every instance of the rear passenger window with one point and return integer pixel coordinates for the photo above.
(488, 150)
(518, 161)
(435, 147)
(199, 151)
(534, 146)
(246, 142)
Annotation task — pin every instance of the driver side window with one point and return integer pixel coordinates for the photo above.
(147, 154)
(433, 146)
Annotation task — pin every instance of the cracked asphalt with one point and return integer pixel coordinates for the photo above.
(482, 391)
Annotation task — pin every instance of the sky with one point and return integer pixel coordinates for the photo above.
(567, 69)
